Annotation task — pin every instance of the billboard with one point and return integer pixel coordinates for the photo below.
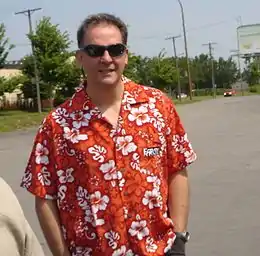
(249, 39)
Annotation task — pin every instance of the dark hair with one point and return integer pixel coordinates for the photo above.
(100, 18)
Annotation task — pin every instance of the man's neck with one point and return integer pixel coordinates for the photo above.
(102, 96)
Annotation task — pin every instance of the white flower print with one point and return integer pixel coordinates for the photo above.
(96, 221)
(73, 135)
(122, 252)
(65, 176)
(139, 115)
(60, 115)
(98, 153)
(155, 180)
(82, 251)
(190, 156)
(27, 178)
(110, 171)
(150, 245)
(89, 216)
(41, 154)
(139, 229)
(126, 145)
(135, 164)
(169, 244)
(113, 238)
(178, 143)
(44, 177)
(61, 194)
(152, 102)
(153, 199)
(121, 184)
(83, 198)
(128, 98)
(98, 202)
(80, 119)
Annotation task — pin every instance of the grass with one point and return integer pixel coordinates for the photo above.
(16, 120)
(194, 99)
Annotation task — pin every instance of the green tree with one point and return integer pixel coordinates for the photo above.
(2, 86)
(51, 51)
(226, 72)
(252, 72)
(5, 47)
(69, 77)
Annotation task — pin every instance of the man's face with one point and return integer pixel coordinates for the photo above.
(104, 70)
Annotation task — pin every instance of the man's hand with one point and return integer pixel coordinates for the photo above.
(48, 216)
(179, 200)
(178, 248)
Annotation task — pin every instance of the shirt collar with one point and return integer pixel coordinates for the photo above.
(133, 94)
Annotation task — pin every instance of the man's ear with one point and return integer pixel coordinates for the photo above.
(126, 57)
(78, 59)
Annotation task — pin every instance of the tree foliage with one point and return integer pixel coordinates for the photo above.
(160, 71)
(51, 47)
(5, 47)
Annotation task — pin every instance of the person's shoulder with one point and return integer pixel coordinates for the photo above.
(152, 93)
(4, 186)
(62, 111)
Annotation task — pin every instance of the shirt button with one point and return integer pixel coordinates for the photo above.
(126, 193)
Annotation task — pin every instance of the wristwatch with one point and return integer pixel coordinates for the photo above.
(184, 236)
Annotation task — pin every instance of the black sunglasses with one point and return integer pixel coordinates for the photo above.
(114, 50)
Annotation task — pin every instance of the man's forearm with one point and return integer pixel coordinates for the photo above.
(48, 216)
(179, 200)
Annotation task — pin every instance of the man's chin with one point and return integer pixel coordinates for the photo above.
(110, 81)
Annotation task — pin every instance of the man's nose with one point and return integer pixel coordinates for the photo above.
(106, 57)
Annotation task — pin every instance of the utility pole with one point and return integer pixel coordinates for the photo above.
(212, 68)
(186, 47)
(236, 53)
(29, 13)
(239, 23)
(173, 38)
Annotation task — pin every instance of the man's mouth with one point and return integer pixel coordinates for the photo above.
(109, 70)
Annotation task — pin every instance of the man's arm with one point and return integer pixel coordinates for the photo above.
(48, 216)
(179, 200)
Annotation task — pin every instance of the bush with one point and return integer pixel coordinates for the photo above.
(254, 88)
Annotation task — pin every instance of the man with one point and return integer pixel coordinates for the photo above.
(108, 167)
(16, 235)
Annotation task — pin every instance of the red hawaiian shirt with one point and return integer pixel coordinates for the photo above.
(111, 183)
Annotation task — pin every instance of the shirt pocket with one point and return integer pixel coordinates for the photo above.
(152, 156)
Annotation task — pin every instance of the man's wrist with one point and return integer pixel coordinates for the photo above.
(184, 236)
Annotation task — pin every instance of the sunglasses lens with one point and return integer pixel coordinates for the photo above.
(116, 50)
(95, 50)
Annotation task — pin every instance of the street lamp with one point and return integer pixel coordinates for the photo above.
(186, 48)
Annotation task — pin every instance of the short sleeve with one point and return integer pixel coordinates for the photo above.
(40, 174)
(180, 153)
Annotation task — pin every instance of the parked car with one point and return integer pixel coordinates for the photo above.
(229, 93)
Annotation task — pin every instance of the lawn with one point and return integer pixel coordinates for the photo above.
(194, 99)
(16, 120)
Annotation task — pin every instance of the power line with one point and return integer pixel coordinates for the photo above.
(29, 13)
(159, 36)
(173, 38)
(212, 67)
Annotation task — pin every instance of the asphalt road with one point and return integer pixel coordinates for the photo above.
(225, 209)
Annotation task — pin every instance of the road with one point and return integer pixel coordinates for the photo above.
(225, 179)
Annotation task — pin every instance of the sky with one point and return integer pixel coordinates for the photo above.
(150, 22)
